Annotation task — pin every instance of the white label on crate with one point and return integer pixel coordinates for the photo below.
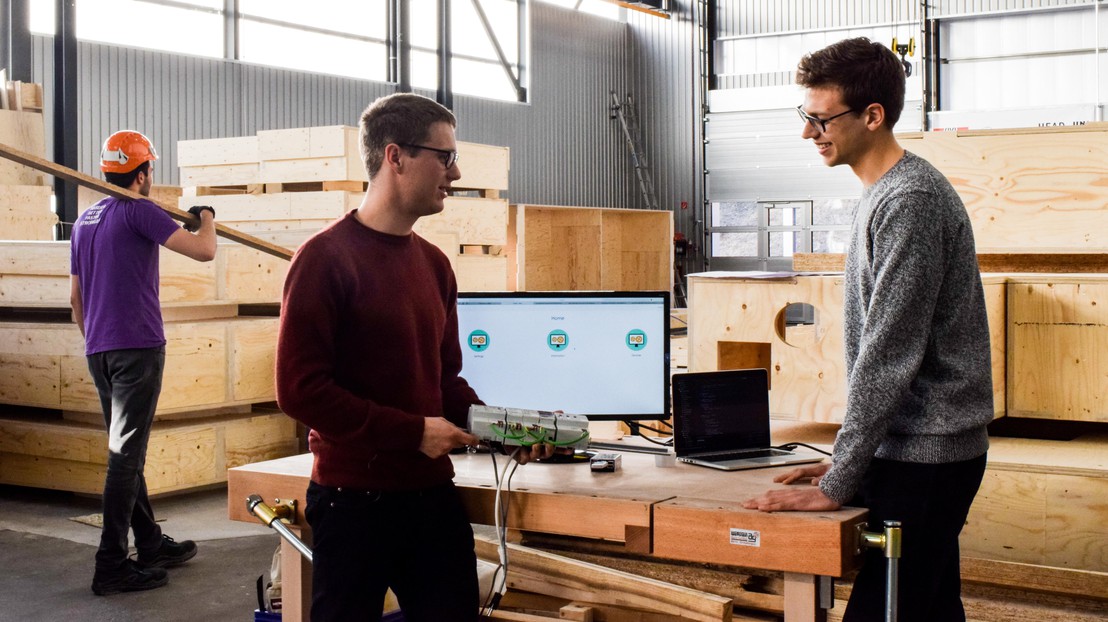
(746, 537)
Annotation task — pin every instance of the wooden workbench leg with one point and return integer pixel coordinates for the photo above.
(296, 581)
(802, 598)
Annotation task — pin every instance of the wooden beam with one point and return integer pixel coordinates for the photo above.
(77, 177)
(1052, 263)
(1035, 578)
(545, 573)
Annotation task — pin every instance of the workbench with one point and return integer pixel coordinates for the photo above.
(683, 512)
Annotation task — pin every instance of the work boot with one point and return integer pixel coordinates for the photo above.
(129, 577)
(168, 553)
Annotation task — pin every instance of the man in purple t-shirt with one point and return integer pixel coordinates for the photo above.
(114, 293)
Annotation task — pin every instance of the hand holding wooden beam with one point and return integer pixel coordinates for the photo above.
(80, 178)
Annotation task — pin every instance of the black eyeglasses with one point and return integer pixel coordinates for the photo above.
(447, 157)
(818, 123)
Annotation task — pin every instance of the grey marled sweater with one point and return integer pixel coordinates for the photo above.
(917, 337)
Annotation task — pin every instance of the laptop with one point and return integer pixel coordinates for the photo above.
(721, 421)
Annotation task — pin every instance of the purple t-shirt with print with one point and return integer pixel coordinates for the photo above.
(114, 255)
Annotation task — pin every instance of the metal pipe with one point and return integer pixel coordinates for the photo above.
(269, 517)
(892, 568)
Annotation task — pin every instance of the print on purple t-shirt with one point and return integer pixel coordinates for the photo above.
(114, 254)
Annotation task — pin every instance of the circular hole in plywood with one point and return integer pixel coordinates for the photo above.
(798, 325)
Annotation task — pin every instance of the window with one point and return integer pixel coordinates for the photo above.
(764, 235)
(183, 26)
(347, 39)
(600, 8)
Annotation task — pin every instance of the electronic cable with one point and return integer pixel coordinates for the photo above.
(794, 445)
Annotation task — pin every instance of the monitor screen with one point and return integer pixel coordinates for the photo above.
(604, 355)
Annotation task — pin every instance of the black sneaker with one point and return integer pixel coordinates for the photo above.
(170, 553)
(130, 577)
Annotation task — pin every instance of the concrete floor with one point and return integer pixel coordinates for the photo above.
(46, 561)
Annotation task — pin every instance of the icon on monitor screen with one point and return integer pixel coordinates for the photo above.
(636, 339)
(478, 341)
(558, 340)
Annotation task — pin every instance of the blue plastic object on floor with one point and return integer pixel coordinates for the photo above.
(266, 616)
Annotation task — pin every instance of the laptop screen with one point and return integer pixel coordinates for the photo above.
(720, 411)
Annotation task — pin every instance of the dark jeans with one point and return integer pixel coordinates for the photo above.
(128, 382)
(931, 501)
(419, 543)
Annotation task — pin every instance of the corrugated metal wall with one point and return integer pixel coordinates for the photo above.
(565, 149)
(665, 85)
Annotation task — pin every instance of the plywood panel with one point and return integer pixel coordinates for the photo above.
(220, 175)
(26, 132)
(25, 201)
(207, 364)
(482, 166)
(1058, 349)
(807, 362)
(218, 151)
(1025, 191)
(808, 380)
(475, 221)
(63, 455)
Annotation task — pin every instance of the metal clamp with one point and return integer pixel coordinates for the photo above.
(277, 518)
(889, 541)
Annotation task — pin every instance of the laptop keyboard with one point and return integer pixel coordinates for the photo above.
(747, 453)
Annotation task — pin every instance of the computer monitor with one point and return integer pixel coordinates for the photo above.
(604, 355)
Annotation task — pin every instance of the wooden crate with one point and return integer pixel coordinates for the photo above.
(1058, 347)
(327, 153)
(1043, 502)
(24, 131)
(473, 233)
(1039, 189)
(218, 161)
(37, 273)
(588, 248)
(210, 364)
(235, 210)
(737, 322)
(483, 167)
(181, 455)
(25, 213)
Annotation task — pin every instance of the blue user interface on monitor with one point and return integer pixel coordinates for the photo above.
(604, 355)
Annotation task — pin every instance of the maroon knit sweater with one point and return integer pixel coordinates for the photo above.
(367, 348)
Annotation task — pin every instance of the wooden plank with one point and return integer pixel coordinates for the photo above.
(115, 191)
(170, 195)
(1035, 578)
(546, 573)
(481, 273)
(482, 166)
(1058, 349)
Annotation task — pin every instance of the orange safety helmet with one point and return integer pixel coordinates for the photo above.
(124, 151)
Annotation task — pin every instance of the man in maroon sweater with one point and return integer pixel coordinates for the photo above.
(368, 358)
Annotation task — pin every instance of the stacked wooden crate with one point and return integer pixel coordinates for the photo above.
(285, 185)
(219, 368)
(1031, 191)
(25, 212)
(589, 248)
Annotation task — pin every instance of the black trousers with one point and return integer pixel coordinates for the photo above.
(128, 383)
(418, 543)
(932, 502)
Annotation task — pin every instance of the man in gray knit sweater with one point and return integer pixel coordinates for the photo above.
(913, 442)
